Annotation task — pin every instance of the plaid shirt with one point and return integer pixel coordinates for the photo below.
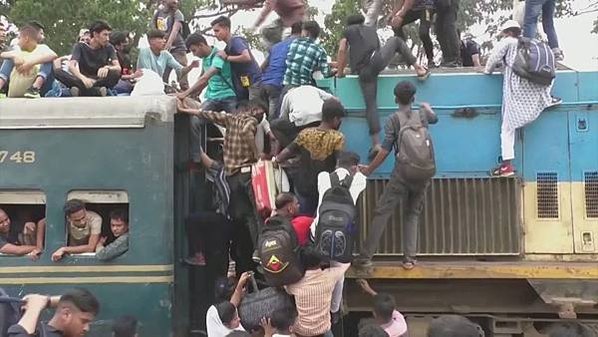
(239, 140)
(305, 56)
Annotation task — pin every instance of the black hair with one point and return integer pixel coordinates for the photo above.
(221, 21)
(283, 199)
(226, 311)
(355, 19)
(117, 38)
(155, 34)
(258, 104)
(404, 92)
(312, 28)
(98, 27)
(453, 326)
(82, 299)
(296, 28)
(124, 326)
(384, 305)
(372, 330)
(514, 30)
(29, 31)
(73, 206)
(331, 109)
(36, 25)
(195, 39)
(347, 159)
(282, 320)
(310, 258)
(120, 214)
(224, 289)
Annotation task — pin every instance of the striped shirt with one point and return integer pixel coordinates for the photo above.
(305, 57)
(313, 296)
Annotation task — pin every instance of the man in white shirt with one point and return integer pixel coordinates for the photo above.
(301, 108)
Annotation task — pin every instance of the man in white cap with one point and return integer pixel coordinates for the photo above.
(523, 100)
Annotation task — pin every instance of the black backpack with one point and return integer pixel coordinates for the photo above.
(336, 221)
(278, 249)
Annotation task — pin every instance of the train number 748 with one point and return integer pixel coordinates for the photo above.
(17, 157)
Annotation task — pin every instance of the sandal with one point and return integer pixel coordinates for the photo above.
(408, 265)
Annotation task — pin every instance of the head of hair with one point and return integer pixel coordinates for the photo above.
(82, 299)
(222, 20)
(310, 258)
(155, 34)
(404, 92)
(348, 159)
(117, 38)
(73, 206)
(283, 320)
(124, 326)
(453, 326)
(372, 330)
(226, 311)
(195, 39)
(258, 106)
(283, 199)
(331, 109)
(296, 28)
(35, 24)
(29, 31)
(238, 333)
(355, 19)
(223, 289)
(312, 28)
(513, 31)
(119, 214)
(98, 27)
(384, 305)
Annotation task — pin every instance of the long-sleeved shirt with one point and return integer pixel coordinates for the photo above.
(303, 105)
(239, 140)
(115, 249)
(305, 57)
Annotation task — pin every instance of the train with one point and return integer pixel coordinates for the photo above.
(514, 254)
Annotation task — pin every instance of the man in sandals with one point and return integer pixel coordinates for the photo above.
(367, 59)
(407, 181)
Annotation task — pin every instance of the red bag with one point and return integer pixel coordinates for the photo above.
(264, 187)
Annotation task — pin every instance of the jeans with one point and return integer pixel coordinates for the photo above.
(372, 11)
(45, 72)
(533, 9)
(368, 77)
(71, 81)
(197, 124)
(446, 31)
(424, 16)
(271, 95)
(209, 233)
(181, 57)
(413, 197)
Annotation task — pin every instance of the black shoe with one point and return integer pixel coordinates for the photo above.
(32, 93)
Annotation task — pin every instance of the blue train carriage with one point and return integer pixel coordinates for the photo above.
(512, 253)
(111, 153)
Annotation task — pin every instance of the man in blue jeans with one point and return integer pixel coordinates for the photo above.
(533, 9)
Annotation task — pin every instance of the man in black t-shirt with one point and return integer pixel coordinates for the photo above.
(93, 67)
(470, 52)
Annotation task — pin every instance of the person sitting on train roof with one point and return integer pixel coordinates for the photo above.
(19, 243)
(301, 109)
(385, 313)
(93, 67)
(122, 44)
(119, 225)
(412, 191)
(27, 67)
(318, 150)
(367, 59)
(522, 101)
(470, 51)
(73, 315)
(225, 291)
(84, 229)
(124, 326)
(453, 326)
(2, 39)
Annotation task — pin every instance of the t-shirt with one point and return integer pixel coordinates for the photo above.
(158, 63)
(7, 239)
(220, 85)
(235, 47)
(164, 21)
(363, 42)
(79, 235)
(19, 83)
(397, 327)
(303, 105)
(48, 331)
(274, 73)
(468, 49)
(301, 225)
(91, 60)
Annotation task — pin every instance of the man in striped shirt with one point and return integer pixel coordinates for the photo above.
(313, 295)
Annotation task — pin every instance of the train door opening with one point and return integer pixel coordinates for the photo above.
(20, 217)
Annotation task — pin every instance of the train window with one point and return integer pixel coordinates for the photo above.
(22, 231)
(89, 215)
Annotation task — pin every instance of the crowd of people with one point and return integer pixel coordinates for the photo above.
(273, 112)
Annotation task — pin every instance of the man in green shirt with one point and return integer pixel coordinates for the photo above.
(216, 76)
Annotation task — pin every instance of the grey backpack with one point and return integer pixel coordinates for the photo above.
(415, 157)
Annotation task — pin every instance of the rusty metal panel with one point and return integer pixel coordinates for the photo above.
(461, 216)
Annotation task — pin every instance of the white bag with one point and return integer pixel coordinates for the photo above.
(150, 84)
